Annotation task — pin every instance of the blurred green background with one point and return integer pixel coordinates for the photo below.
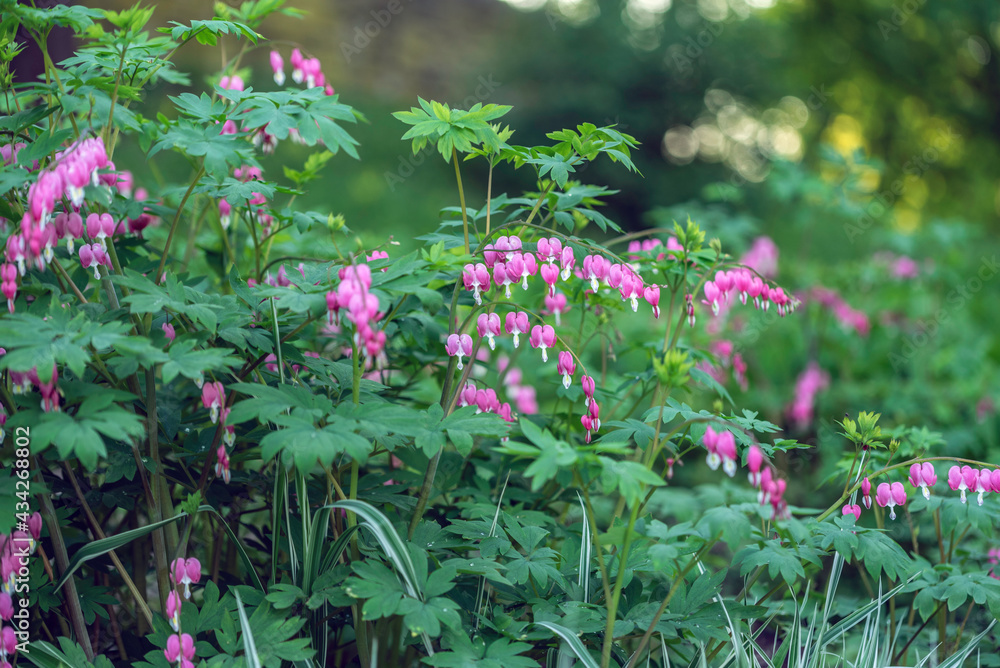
(841, 129)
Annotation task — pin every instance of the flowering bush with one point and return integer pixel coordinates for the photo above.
(516, 414)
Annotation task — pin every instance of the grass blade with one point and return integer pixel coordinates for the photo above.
(957, 659)
(481, 592)
(573, 641)
(387, 537)
(99, 547)
(395, 549)
(583, 576)
(249, 646)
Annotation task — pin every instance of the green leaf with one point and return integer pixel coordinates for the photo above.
(881, 553)
(284, 595)
(779, 560)
(627, 477)
(733, 525)
(215, 27)
(81, 435)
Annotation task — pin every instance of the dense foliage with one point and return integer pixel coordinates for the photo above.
(239, 437)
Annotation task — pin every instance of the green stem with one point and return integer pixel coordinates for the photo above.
(360, 626)
(51, 67)
(108, 142)
(666, 601)
(173, 225)
(99, 533)
(917, 460)
(62, 561)
(902, 652)
(461, 199)
(489, 195)
(609, 627)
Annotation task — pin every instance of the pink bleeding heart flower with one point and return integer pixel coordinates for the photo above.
(298, 76)
(476, 278)
(173, 609)
(615, 275)
(529, 268)
(594, 411)
(213, 396)
(567, 367)
(589, 387)
(467, 397)
(984, 484)
(549, 250)
(631, 288)
(588, 424)
(724, 282)
(6, 607)
(516, 323)
(890, 495)
(488, 325)
(180, 650)
(8, 284)
(35, 525)
(222, 458)
(501, 279)
(652, 295)
(487, 401)
(550, 274)
(168, 331)
(460, 345)
(866, 491)
(74, 230)
(8, 643)
(595, 269)
(711, 442)
(556, 305)
(725, 446)
(755, 459)
(924, 477)
(544, 337)
(515, 272)
(278, 67)
(741, 283)
(185, 572)
(93, 256)
(50, 391)
(567, 261)
(713, 296)
(525, 398)
(957, 480)
(852, 510)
